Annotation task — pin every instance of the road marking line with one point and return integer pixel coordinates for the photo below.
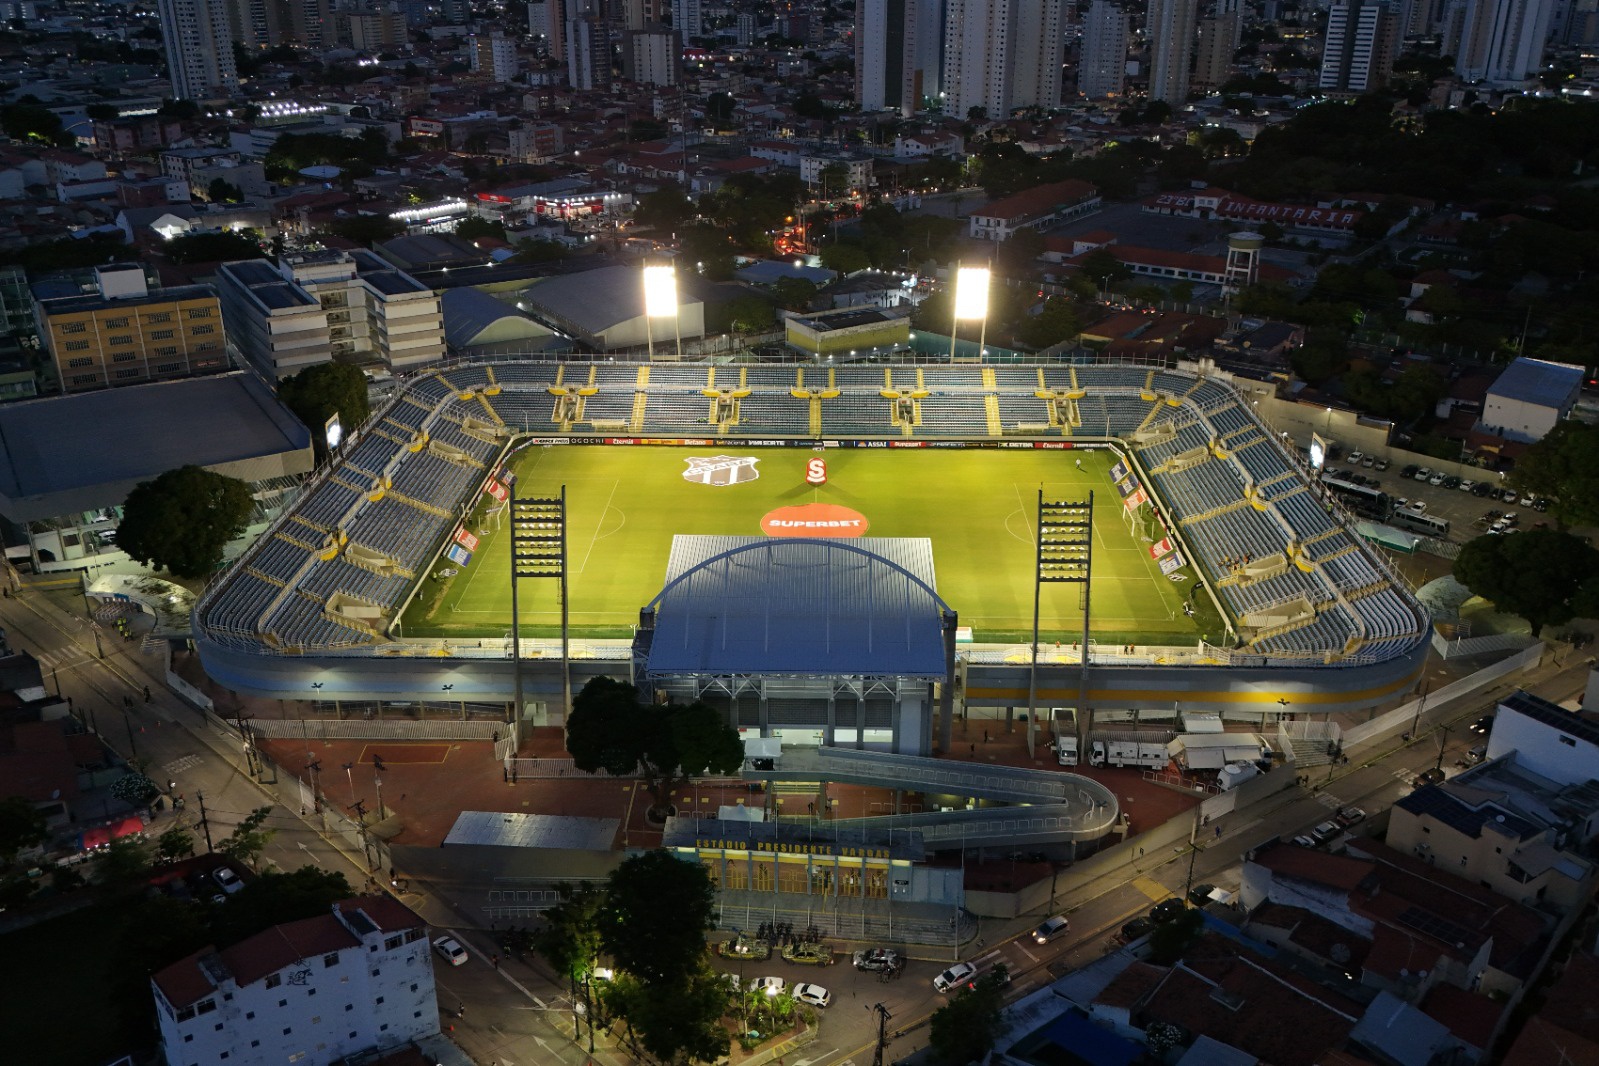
(1153, 889)
(1024, 951)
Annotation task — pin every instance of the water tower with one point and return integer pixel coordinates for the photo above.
(1243, 261)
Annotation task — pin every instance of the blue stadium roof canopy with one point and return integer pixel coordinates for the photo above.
(755, 605)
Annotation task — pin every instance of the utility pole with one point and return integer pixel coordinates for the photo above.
(205, 826)
(315, 767)
(882, 1032)
(133, 747)
(359, 807)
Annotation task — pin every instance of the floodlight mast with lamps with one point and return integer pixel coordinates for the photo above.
(971, 302)
(660, 301)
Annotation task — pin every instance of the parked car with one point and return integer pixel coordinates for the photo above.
(227, 880)
(1057, 926)
(1166, 910)
(1348, 816)
(953, 977)
(1482, 490)
(1409, 472)
(1416, 506)
(1368, 462)
(1451, 482)
(1354, 458)
(1541, 504)
(1508, 495)
(1136, 928)
(876, 959)
(1423, 474)
(1466, 485)
(1305, 840)
(1199, 895)
(1382, 465)
(1427, 777)
(772, 986)
(1483, 725)
(1326, 831)
(815, 995)
(450, 950)
(1437, 479)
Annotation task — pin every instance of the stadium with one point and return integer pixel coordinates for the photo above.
(1222, 579)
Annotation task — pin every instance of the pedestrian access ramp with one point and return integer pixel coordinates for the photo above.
(1040, 806)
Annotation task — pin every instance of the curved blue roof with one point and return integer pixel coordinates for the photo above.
(750, 605)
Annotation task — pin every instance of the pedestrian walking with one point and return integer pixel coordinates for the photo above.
(974, 751)
(147, 697)
(496, 961)
(985, 736)
(1218, 832)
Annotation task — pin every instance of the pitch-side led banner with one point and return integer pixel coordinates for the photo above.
(1119, 471)
(1172, 562)
(497, 490)
(1137, 499)
(1128, 487)
(1160, 547)
(458, 555)
(465, 538)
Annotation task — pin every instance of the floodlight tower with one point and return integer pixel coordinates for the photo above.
(660, 301)
(538, 552)
(971, 303)
(1064, 554)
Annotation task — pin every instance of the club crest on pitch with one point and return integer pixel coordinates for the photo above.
(721, 470)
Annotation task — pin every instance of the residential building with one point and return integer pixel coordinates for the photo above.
(124, 334)
(313, 307)
(653, 57)
(199, 46)
(1102, 62)
(898, 51)
(315, 992)
(1170, 25)
(1035, 209)
(1362, 39)
(373, 30)
(745, 28)
(588, 53)
(179, 164)
(1530, 398)
(1218, 41)
(1000, 55)
(135, 134)
(494, 56)
(546, 25)
(1499, 42)
(857, 172)
(689, 17)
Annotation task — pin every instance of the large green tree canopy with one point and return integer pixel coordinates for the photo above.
(182, 521)
(1564, 465)
(319, 392)
(1544, 576)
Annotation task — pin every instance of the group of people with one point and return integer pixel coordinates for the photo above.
(1235, 563)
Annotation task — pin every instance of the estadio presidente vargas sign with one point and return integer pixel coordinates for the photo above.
(780, 847)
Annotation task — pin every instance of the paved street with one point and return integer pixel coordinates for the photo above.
(513, 1013)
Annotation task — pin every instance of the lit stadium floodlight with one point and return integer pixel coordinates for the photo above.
(660, 301)
(971, 302)
(971, 293)
(660, 292)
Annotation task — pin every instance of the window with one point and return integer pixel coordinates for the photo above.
(76, 346)
(218, 1027)
(310, 992)
(223, 1055)
(1569, 742)
(392, 942)
(249, 1014)
(274, 980)
(283, 1003)
(161, 335)
(169, 368)
(383, 1028)
(188, 1038)
(288, 1030)
(74, 327)
(166, 351)
(116, 323)
(85, 379)
(125, 357)
(255, 1043)
(330, 960)
(378, 1002)
(159, 316)
(413, 988)
(198, 330)
(416, 1014)
(199, 312)
(413, 935)
(205, 1006)
(129, 372)
(117, 342)
(349, 1006)
(85, 361)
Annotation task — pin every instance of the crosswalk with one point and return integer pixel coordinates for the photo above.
(178, 765)
(1328, 800)
(61, 658)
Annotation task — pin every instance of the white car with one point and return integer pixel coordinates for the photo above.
(1437, 479)
(815, 995)
(1354, 458)
(450, 950)
(954, 977)
(227, 880)
(772, 986)
(1416, 506)
(1466, 484)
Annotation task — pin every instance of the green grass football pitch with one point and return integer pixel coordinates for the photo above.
(979, 508)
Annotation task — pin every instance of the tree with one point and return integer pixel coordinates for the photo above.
(1538, 574)
(719, 109)
(845, 258)
(212, 247)
(794, 294)
(666, 208)
(319, 392)
(134, 789)
(32, 122)
(657, 911)
(183, 520)
(1104, 268)
(124, 861)
(365, 229)
(248, 839)
(274, 898)
(680, 1022)
(470, 228)
(174, 844)
(965, 1028)
(223, 191)
(22, 826)
(610, 730)
(1055, 324)
(1561, 466)
(749, 313)
(570, 937)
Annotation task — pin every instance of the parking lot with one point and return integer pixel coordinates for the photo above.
(1460, 508)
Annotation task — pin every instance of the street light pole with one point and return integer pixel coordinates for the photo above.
(882, 1032)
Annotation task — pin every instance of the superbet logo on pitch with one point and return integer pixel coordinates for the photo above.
(816, 472)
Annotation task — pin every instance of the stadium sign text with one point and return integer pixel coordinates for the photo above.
(814, 520)
(782, 848)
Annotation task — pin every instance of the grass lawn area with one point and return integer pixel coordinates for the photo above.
(55, 977)
(979, 508)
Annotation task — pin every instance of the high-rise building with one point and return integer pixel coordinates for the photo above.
(546, 24)
(1361, 41)
(1500, 42)
(746, 29)
(653, 57)
(1219, 36)
(493, 55)
(1102, 62)
(373, 30)
(588, 52)
(689, 17)
(199, 44)
(1170, 26)
(880, 29)
(1000, 55)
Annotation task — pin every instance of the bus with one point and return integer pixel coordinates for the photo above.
(1366, 502)
(1425, 524)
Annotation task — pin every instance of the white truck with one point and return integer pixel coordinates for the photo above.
(1129, 749)
(1066, 750)
(1235, 774)
(1212, 751)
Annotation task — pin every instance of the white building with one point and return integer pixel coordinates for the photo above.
(1000, 55)
(1102, 69)
(312, 992)
(1530, 398)
(858, 171)
(653, 57)
(494, 56)
(898, 49)
(1362, 38)
(1171, 30)
(1500, 42)
(199, 46)
(1547, 739)
(310, 308)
